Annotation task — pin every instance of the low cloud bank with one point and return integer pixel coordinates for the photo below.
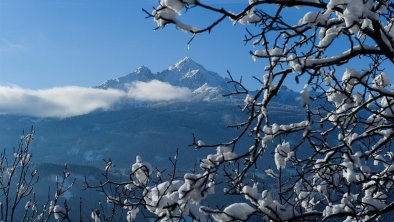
(156, 90)
(73, 100)
(56, 102)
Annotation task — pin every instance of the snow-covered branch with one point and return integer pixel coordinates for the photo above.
(337, 163)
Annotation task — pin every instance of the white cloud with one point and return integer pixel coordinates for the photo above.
(156, 90)
(70, 101)
(56, 102)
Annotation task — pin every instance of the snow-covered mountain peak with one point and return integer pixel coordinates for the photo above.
(185, 65)
(190, 74)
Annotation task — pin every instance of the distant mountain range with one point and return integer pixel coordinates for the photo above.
(205, 85)
(185, 73)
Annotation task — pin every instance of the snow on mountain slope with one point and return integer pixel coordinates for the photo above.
(208, 93)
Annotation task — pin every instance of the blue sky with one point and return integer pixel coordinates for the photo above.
(48, 43)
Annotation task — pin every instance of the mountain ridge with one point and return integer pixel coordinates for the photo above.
(204, 84)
